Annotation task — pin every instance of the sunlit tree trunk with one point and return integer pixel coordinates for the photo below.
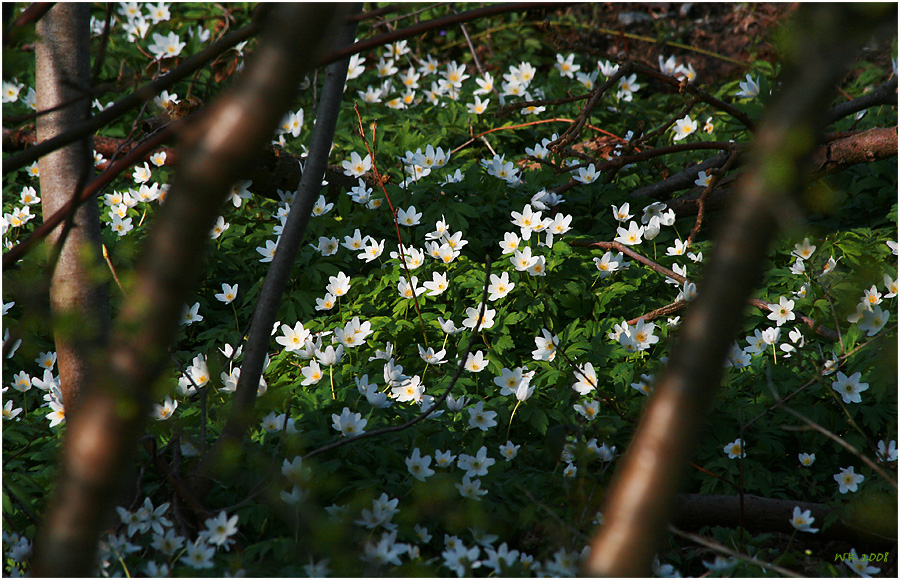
(78, 297)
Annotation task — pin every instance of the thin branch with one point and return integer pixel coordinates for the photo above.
(503, 111)
(86, 93)
(285, 256)
(822, 331)
(570, 530)
(472, 49)
(141, 95)
(22, 504)
(886, 94)
(434, 24)
(666, 310)
(662, 43)
(32, 13)
(862, 457)
(684, 112)
(104, 42)
(92, 189)
(840, 359)
(376, 13)
(758, 303)
(712, 544)
(631, 253)
(700, 94)
(370, 149)
(701, 201)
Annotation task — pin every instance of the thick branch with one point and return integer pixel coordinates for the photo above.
(837, 155)
(33, 13)
(682, 180)
(434, 24)
(643, 491)
(104, 434)
(761, 514)
(862, 147)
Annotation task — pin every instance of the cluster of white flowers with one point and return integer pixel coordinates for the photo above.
(526, 251)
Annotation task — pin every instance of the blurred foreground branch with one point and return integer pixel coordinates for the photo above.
(101, 438)
(640, 500)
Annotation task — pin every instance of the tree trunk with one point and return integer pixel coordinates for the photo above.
(78, 297)
(216, 150)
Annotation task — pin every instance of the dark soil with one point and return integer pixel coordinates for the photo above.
(730, 35)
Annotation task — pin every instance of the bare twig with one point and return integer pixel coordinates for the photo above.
(712, 544)
(520, 125)
(571, 134)
(862, 457)
(92, 189)
(143, 94)
(701, 201)
(684, 112)
(472, 49)
(381, 182)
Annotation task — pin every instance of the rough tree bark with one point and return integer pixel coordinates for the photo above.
(822, 40)
(103, 435)
(79, 300)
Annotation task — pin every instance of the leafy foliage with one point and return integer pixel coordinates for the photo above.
(540, 498)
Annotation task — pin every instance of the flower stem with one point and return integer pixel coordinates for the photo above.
(516, 408)
(331, 378)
